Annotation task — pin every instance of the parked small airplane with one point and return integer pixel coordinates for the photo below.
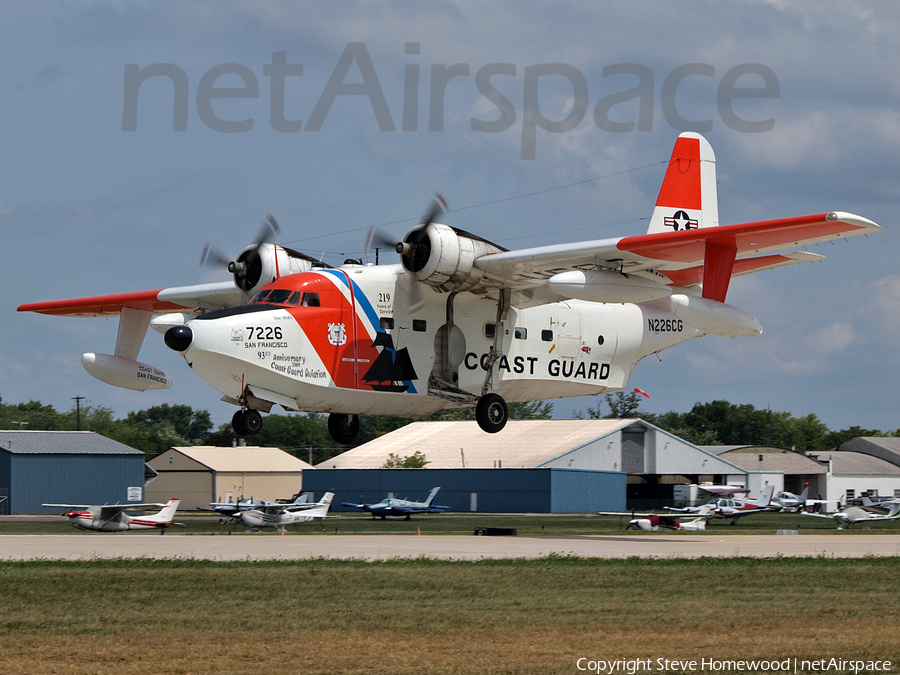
(735, 508)
(876, 505)
(112, 517)
(852, 515)
(400, 507)
(788, 501)
(279, 515)
(460, 321)
(653, 522)
(234, 509)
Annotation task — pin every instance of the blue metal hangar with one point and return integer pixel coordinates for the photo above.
(532, 466)
(66, 467)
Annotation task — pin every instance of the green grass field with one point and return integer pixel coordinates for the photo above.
(564, 524)
(423, 617)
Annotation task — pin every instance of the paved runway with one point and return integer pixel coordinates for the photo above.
(459, 547)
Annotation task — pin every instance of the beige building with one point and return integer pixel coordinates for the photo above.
(199, 475)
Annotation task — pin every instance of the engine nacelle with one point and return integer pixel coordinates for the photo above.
(259, 265)
(444, 257)
(124, 373)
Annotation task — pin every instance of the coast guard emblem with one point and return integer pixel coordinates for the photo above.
(337, 334)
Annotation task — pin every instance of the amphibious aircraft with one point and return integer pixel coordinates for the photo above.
(852, 515)
(401, 507)
(460, 321)
(653, 522)
(279, 515)
(112, 517)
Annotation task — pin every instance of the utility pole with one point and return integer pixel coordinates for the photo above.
(78, 400)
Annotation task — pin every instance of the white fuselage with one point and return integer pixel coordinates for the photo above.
(344, 354)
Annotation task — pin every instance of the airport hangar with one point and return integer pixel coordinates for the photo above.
(67, 467)
(869, 465)
(199, 475)
(531, 466)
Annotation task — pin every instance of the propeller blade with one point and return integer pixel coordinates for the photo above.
(269, 229)
(378, 238)
(212, 257)
(439, 205)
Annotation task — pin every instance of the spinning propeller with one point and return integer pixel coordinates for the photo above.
(415, 247)
(247, 269)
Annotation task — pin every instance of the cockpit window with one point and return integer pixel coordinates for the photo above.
(279, 296)
(260, 297)
(310, 300)
(276, 296)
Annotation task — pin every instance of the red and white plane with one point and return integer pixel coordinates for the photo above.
(460, 320)
(735, 508)
(654, 522)
(112, 517)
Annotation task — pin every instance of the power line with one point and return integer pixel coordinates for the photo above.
(488, 203)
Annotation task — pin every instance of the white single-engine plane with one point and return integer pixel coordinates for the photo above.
(852, 515)
(460, 320)
(279, 515)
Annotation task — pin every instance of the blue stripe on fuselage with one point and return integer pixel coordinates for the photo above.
(367, 308)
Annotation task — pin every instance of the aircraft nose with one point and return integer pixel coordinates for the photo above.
(179, 338)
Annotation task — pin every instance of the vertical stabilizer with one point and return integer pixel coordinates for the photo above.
(320, 510)
(687, 199)
(167, 513)
(431, 497)
(765, 497)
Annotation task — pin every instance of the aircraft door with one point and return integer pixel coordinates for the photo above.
(568, 332)
(449, 351)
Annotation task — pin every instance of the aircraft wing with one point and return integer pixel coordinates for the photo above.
(830, 516)
(722, 489)
(105, 507)
(161, 301)
(674, 258)
(748, 512)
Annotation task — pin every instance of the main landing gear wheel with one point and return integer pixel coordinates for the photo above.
(246, 422)
(491, 413)
(343, 428)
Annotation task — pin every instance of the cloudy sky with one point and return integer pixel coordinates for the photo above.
(93, 201)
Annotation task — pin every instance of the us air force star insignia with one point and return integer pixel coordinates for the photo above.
(681, 221)
(337, 334)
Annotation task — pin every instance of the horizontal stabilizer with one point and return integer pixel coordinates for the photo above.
(711, 316)
(690, 276)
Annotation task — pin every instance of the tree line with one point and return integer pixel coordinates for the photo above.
(725, 423)
(305, 435)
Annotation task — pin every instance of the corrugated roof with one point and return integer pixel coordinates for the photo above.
(883, 447)
(247, 458)
(791, 463)
(857, 463)
(722, 449)
(62, 443)
(522, 443)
